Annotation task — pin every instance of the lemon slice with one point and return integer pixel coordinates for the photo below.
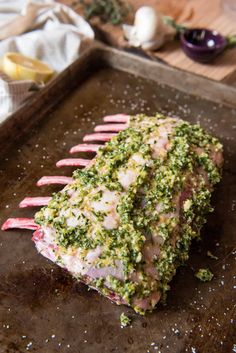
(20, 67)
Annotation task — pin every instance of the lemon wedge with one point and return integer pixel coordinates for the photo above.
(20, 67)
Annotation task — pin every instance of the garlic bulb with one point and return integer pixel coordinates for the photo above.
(149, 31)
(146, 23)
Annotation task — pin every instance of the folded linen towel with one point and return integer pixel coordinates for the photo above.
(13, 93)
(41, 29)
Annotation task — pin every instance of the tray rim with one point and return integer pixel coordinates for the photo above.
(221, 92)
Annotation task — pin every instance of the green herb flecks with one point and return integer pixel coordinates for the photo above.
(112, 11)
(204, 274)
(124, 320)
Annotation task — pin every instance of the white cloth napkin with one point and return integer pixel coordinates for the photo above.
(42, 29)
(13, 93)
(54, 31)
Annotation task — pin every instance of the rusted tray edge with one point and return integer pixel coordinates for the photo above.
(96, 56)
(181, 80)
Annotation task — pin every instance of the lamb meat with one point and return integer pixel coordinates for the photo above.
(125, 222)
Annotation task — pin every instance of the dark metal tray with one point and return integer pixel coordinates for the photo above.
(42, 308)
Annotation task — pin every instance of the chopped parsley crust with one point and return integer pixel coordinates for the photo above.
(124, 320)
(165, 205)
(204, 274)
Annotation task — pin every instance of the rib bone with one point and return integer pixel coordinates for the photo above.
(110, 127)
(99, 137)
(49, 180)
(84, 147)
(34, 201)
(74, 162)
(22, 223)
(117, 118)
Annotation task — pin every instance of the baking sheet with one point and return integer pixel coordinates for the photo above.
(42, 309)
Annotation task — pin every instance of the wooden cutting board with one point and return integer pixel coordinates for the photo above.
(194, 13)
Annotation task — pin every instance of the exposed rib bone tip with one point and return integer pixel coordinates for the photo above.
(84, 147)
(50, 180)
(34, 201)
(73, 162)
(116, 118)
(22, 223)
(99, 137)
(110, 127)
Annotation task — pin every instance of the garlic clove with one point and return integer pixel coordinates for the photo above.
(146, 23)
(149, 31)
(130, 33)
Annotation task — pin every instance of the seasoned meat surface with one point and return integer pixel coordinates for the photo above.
(126, 221)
